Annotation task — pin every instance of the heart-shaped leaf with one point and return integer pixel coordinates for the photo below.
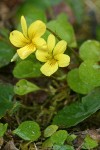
(27, 69)
(90, 50)
(23, 87)
(28, 130)
(89, 72)
(76, 84)
(59, 137)
(50, 130)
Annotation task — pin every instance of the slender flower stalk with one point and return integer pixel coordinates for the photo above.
(29, 39)
(54, 57)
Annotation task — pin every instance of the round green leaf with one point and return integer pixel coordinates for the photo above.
(3, 128)
(32, 14)
(76, 84)
(47, 143)
(71, 138)
(26, 69)
(28, 130)
(89, 143)
(59, 137)
(23, 87)
(89, 72)
(90, 50)
(50, 130)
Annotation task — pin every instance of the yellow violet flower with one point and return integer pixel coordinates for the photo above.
(53, 57)
(29, 39)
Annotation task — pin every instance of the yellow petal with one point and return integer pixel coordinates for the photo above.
(63, 60)
(51, 42)
(60, 47)
(36, 29)
(42, 55)
(40, 43)
(49, 68)
(18, 39)
(24, 26)
(26, 51)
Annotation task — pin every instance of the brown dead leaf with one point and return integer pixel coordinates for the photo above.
(94, 134)
(10, 146)
(1, 142)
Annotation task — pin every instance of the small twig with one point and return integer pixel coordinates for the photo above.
(79, 148)
(75, 53)
(17, 119)
(26, 107)
(35, 146)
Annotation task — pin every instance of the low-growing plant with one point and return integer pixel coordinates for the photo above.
(47, 51)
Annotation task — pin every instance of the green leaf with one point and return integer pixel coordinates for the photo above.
(71, 138)
(23, 87)
(6, 95)
(15, 108)
(6, 53)
(6, 92)
(89, 143)
(78, 111)
(89, 72)
(63, 29)
(4, 107)
(63, 147)
(4, 32)
(76, 84)
(59, 137)
(28, 130)
(3, 128)
(30, 12)
(50, 130)
(27, 69)
(90, 50)
(44, 4)
(47, 143)
(62, 17)
(49, 3)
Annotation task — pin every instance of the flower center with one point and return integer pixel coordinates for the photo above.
(52, 62)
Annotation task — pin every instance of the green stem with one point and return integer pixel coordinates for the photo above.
(54, 34)
(75, 53)
(26, 107)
